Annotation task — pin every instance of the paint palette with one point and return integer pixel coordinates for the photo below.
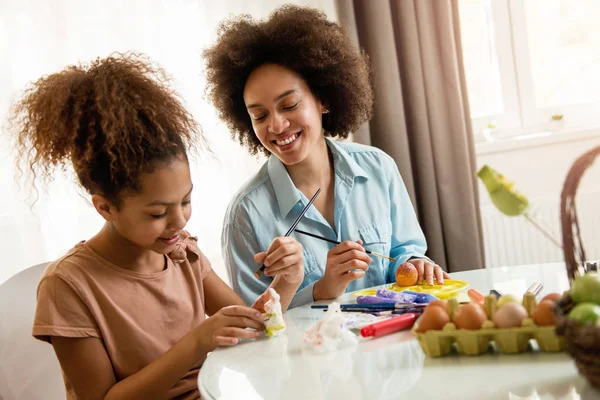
(449, 289)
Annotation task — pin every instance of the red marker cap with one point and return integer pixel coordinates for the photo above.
(404, 321)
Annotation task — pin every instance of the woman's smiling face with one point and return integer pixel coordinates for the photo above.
(286, 116)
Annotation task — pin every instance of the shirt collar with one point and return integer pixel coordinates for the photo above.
(288, 195)
(345, 166)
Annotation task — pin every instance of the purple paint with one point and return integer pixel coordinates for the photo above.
(401, 297)
(374, 300)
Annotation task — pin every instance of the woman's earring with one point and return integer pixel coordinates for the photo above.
(325, 111)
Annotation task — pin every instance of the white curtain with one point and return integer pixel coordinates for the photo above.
(39, 37)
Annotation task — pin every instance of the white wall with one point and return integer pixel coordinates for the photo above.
(539, 168)
(39, 37)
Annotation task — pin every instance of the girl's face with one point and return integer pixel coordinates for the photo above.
(287, 118)
(153, 217)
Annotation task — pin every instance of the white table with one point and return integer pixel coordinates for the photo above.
(393, 366)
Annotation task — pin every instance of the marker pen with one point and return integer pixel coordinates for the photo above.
(405, 321)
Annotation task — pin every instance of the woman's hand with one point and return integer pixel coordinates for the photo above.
(283, 258)
(428, 270)
(346, 262)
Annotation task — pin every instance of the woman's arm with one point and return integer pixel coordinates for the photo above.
(407, 240)
(243, 257)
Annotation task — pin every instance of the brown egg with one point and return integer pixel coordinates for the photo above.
(510, 315)
(552, 296)
(543, 315)
(439, 303)
(470, 316)
(433, 318)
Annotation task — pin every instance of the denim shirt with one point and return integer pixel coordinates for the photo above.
(371, 204)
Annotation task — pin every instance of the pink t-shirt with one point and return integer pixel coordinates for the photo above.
(139, 316)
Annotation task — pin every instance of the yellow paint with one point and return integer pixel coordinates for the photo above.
(450, 288)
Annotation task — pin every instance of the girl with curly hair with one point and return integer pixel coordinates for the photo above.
(125, 310)
(284, 86)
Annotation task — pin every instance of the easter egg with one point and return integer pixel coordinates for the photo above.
(543, 314)
(470, 316)
(406, 275)
(439, 303)
(510, 315)
(433, 318)
(552, 296)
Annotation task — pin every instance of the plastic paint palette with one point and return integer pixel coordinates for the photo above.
(450, 288)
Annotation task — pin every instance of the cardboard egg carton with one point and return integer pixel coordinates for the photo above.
(475, 342)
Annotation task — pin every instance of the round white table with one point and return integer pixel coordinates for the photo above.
(393, 366)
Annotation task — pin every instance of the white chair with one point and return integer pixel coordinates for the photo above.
(28, 367)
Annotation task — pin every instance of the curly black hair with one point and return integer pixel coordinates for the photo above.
(112, 120)
(303, 40)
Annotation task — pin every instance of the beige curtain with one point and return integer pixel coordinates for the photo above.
(421, 116)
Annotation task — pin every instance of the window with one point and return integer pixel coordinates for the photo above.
(532, 65)
(38, 37)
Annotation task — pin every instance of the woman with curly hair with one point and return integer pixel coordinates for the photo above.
(284, 86)
(125, 310)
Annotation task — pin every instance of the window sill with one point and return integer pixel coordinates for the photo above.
(502, 145)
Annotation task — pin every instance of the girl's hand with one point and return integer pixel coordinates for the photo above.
(227, 326)
(283, 258)
(428, 270)
(345, 262)
(259, 304)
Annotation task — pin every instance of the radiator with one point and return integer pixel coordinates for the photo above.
(515, 241)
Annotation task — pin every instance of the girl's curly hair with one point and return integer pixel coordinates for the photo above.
(299, 38)
(112, 120)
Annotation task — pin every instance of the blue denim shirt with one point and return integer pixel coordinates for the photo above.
(371, 204)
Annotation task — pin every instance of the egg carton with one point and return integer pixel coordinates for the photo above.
(437, 343)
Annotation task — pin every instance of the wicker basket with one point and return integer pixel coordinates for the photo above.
(581, 342)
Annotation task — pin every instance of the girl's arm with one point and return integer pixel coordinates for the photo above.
(89, 371)
(217, 294)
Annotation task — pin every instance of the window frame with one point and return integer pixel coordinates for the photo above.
(521, 114)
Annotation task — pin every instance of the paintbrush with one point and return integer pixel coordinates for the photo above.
(289, 232)
(336, 242)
